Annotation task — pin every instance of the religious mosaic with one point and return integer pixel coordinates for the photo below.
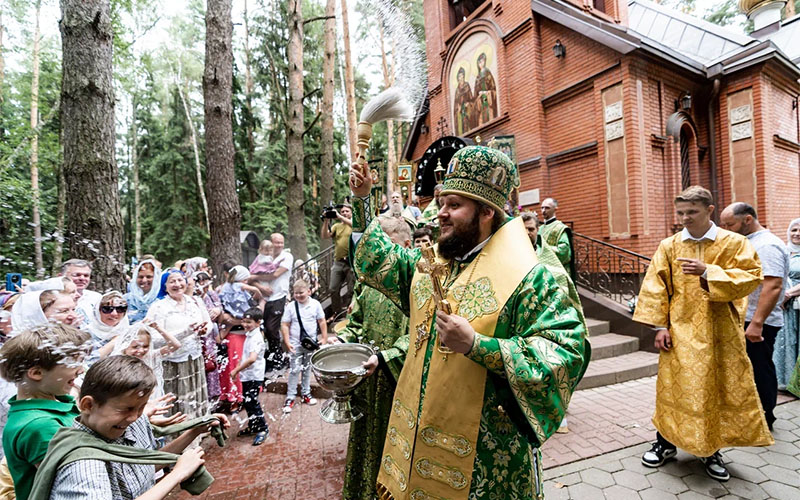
(473, 83)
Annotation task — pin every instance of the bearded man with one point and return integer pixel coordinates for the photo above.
(483, 387)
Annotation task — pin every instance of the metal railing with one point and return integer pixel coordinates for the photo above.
(608, 270)
(317, 272)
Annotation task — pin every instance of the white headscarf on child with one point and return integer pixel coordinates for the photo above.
(241, 273)
(151, 359)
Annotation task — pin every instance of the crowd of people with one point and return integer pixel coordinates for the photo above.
(134, 377)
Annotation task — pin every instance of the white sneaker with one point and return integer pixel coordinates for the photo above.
(288, 405)
(308, 400)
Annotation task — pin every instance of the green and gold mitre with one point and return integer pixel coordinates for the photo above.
(483, 174)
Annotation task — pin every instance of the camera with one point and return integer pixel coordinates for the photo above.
(14, 282)
(328, 211)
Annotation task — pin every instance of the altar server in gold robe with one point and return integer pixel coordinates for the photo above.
(695, 294)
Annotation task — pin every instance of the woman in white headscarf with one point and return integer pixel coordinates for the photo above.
(785, 355)
(37, 308)
(109, 320)
(143, 289)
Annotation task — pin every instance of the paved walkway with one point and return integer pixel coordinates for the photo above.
(756, 473)
(304, 457)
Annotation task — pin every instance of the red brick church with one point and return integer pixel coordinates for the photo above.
(613, 106)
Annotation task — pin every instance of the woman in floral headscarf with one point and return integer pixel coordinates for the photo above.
(785, 355)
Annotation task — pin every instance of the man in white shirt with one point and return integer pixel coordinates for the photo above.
(80, 272)
(278, 282)
(764, 317)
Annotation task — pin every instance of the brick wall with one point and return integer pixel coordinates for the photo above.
(554, 105)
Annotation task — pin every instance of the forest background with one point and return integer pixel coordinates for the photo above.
(160, 132)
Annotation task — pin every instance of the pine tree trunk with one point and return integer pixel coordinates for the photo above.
(349, 84)
(223, 203)
(137, 205)
(61, 206)
(326, 164)
(87, 119)
(197, 168)
(294, 134)
(2, 60)
(248, 102)
(37, 223)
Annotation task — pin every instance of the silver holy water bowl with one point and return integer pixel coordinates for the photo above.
(338, 369)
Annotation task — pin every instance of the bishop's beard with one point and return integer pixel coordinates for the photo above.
(462, 239)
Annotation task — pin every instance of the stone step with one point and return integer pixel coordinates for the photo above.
(619, 369)
(597, 327)
(609, 345)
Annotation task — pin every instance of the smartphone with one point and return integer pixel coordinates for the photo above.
(14, 282)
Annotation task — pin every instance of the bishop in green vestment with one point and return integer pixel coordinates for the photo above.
(374, 320)
(485, 385)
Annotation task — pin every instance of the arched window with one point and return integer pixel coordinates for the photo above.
(686, 166)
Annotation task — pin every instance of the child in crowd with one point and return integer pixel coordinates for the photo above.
(303, 313)
(236, 295)
(251, 371)
(263, 262)
(43, 363)
(137, 341)
(113, 397)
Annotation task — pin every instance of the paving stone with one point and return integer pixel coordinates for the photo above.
(584, 491)
(631, 479)
(745, 489)
(692, 495)
(656, 494)
(785, 476)
(553, 492)
(705, 485)
(741, 456)
(677, 468)
(634, 464)
(786, 461)
(618, 492)
(569, 479)
(667, 483)
(612, 466)
(746, 472)
(780, 491)
(597, 477)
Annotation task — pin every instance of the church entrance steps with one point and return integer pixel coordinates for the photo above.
(618, 369)
(597, 326)
(610, 345)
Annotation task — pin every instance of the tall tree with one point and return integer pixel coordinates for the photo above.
(328, 66)
(388, 80)
(349, 83)
(87, 115)
(137, 202)
(223, 203)
(37, 224)
(294, 134)
(198, 172)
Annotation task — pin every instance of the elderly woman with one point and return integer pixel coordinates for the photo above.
(37, 308)
(108, 321)
(144, 289)
(785, 355)
(185, 317)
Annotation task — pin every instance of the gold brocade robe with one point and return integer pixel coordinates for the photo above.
(706, 396)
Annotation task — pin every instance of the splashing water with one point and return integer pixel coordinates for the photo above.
(411, 69)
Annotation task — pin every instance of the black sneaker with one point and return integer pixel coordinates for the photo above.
(715, 467)
(657, 455)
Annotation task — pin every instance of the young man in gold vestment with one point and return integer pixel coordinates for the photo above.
(695, 295)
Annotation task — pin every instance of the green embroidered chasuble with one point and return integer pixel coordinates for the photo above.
(534, 360)
(374, 320)
(558, 236)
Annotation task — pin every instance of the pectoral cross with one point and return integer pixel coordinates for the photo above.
(438, 272)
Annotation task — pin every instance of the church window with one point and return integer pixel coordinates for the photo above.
(460, 10)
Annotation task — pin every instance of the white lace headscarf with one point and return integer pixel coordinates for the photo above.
(151, 359)
(27, 312)
(102, 331)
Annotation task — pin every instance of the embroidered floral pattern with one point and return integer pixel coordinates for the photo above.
(450, 476)
(454, 443)
(391, 468)
(398, 440)
(422, 290)
(476, 299)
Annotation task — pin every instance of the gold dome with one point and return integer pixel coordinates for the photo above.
(748, 6)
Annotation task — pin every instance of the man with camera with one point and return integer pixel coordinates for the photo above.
(340, 233)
